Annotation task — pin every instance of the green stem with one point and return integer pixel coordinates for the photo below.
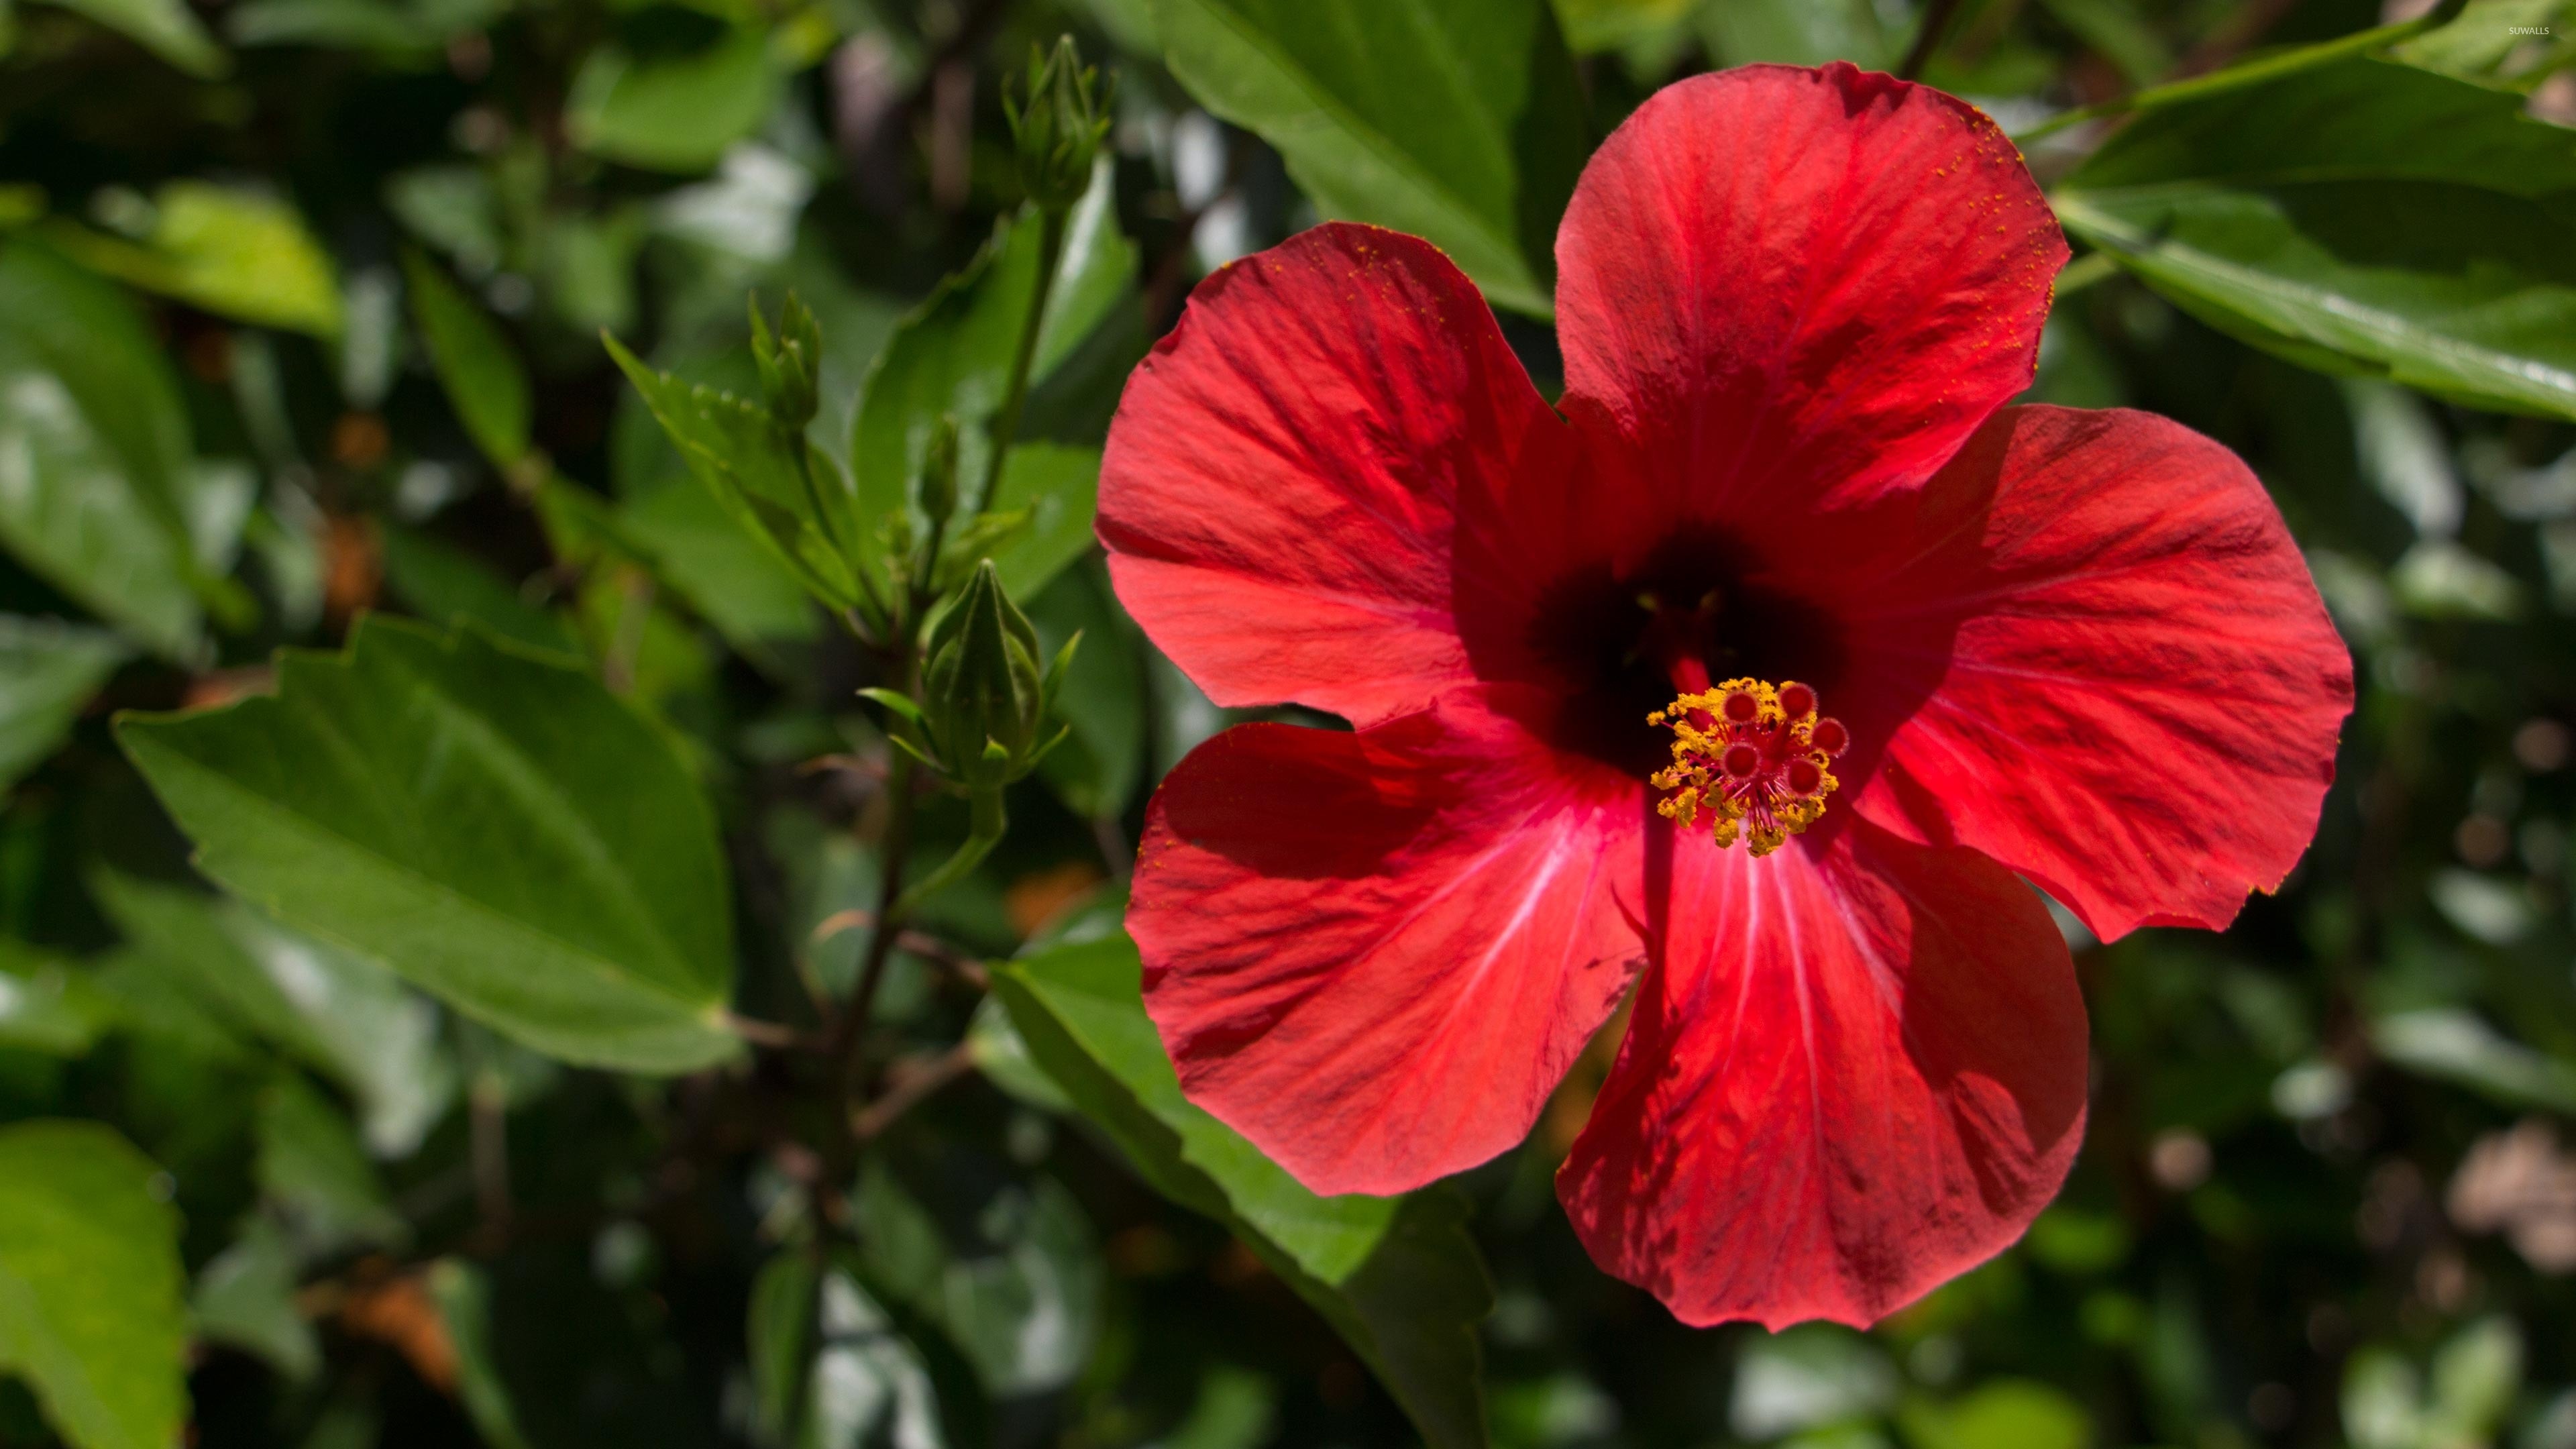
(897, 843)
(1006, 423)
(985, 831)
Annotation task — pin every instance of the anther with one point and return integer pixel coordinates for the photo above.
(1756, 758)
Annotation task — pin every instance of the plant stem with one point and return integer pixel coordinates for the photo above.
(853, 1033)
(1006, 423)
(985, 831)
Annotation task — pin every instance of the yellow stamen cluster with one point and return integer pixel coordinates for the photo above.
(1749, 761)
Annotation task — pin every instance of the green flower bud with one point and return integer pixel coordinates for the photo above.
(937, 492)
(789, 362)
(983, 695)
(1058, 127)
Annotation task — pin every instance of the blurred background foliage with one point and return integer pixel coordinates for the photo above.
(300, 315)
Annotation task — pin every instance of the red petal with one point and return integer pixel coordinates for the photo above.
(1817, 281)
(2128, 688)
(1374, 954)
(1279, 490)
(1857, 1071)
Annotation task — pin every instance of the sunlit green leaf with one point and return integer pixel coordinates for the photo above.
(48, 1005)
(167, 28)
(240, 253)
(1459, 122)
(94, 450)
(91, 1307)
(495, 826)
(2363, 217)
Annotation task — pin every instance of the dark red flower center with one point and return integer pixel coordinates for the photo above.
(1752, 758)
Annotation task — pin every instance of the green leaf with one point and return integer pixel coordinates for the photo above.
(2000, 1414)
(953, 355)
(1012, 1280)
(737, 451)
(48, 670)
(239, 253)
(1456, 120)
(484, 380)
(1399, 1278)
(2453, 1044)
(344, 1015)
(314, 1174)
(245, 1297)
(444, 584)
(1102, 696)
(495, 826)
(46, 1005)
(91, 1312)
(94, 450)
(1059, 487)
(778, 1330)
(464, 1299)
(672, 112)
(2362, 217)
(167, 28)
(726, 573)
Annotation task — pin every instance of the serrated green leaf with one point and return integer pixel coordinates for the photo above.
(1398, 1277)
(733, 447)
(2361, 217)
(234, 252)
(94, 450)
(484, 379)
(495, 826)
(91, 1307)
(48, 670)
(1460, 121)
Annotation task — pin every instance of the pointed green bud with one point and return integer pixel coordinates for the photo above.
(790, 362)
(938, 490)
(1057, 125)
(983, 692)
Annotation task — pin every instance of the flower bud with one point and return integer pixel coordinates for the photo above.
(1057, 127)
(937, 491)
(788, 362)
(983, 694)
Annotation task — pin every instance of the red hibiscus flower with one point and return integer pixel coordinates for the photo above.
(1770, 663)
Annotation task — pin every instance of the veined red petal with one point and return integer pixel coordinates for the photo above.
(2119, 678)
(1280, 486)
(1803, 282)
(1375, 953)
(1855, 1070)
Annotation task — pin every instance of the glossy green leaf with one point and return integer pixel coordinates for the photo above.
(342, 1014)
(1398, 1277)
(243, 254)
(48, 1005)
(672, 112)
(493, 825)
(1456, 120)
(91, 1307)
(735, 449)
(94, 450)
(484, 380)
(167, 28)
(245, 1298)
(1059, 488)
(953, 355)
(2362, 217)
(48, 670)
